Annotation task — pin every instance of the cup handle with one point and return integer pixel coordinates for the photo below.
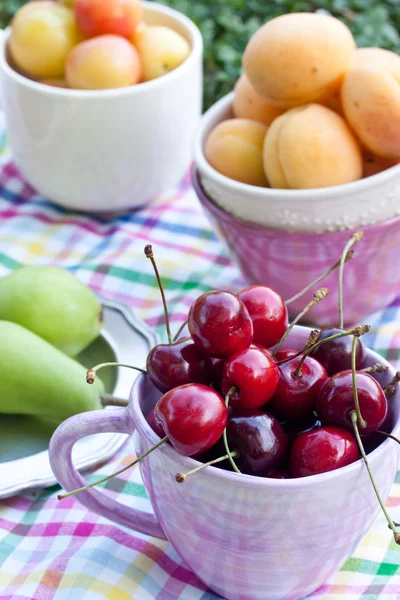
(60, 452)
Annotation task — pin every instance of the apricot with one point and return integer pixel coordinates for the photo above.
(297, 58)
(373, 164)
(101, 17)
(104, 62)
(311, 147)
(371, 100)
(161, 49)
(42, 34)
(247, 104)
(234, 148)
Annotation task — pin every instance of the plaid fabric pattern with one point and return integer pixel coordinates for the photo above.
(51, 550)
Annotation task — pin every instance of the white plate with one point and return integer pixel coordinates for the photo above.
(24, 461)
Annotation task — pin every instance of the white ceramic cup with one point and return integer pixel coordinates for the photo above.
(106, 150)
(337, 208)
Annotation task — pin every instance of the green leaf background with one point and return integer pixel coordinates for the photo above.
(226, 26)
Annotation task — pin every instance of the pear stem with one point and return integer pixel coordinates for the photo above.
(132, 464)
(360, 419)
(149, 254)
(348, 257)
(356, 237)
(181, 477)
(110, 400)
(91, 374)
(354, 420)
(312, 339)
(181, 328)
(317, 297)
(358, 331)
(224, 436)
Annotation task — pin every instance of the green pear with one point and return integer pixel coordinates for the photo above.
(52, 303)
(37, 379)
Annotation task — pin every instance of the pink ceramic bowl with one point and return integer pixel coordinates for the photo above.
(247, 538)
(288, 262)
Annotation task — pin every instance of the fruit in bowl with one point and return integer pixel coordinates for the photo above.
(281, 473)
(322, 100)
(92, 45)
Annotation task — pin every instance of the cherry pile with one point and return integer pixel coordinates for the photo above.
(233, 396)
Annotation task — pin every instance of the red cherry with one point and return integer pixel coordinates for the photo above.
(278, 474)
(295, 428)
(268, 313)
(335, 355)
(255, 374)
(156, 427)
(217, 369)
(335, 401)
(284, 353)
(193, 417)
(321, 450)
(295, 396)
(260, 439)
(375, 439)
(172, 365)
(220, 324)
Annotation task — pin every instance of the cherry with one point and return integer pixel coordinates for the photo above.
(156, 427)
(172, 365)
(217, 369)
(268, 313)
(295, 428)
(254, 373)
(176, 363)
(220, 324)
(335, 401)
(284, 354)
(375, 439)
(259, 438)
(321, 450)
(335, 355)
(278, 474)
(295, 395)
(193, 417)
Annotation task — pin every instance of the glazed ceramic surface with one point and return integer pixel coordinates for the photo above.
(247, 538)
(356, 204)
(288, 262)
(106, 150)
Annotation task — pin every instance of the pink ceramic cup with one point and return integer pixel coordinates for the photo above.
(288, 262)
(247, 538)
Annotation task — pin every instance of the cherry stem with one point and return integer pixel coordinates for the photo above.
(91, 374)
(356, 237)
(392, 526)
(376, 368)
(358, 331)
(312, 339)
(181, 477)
(360, 419)
(181, 328)
(389, 435)
(132, 464)
(224, 436)
(348, 257)
(149, 254)
(317, 297)
(391, 387)
(110, 400)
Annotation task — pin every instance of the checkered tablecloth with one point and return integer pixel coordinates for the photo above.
(61, 550)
